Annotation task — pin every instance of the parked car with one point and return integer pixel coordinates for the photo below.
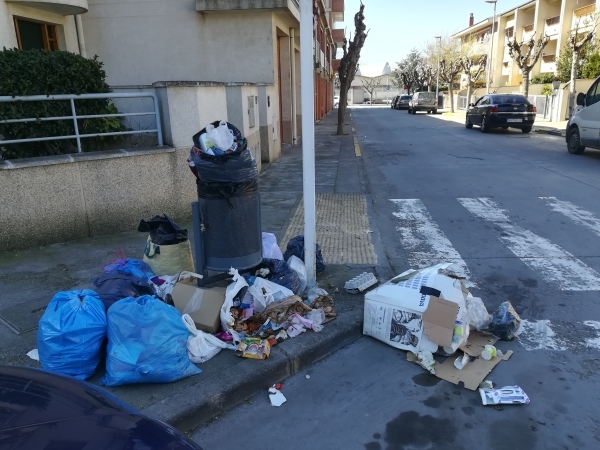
(583, 128)
(394, 100)
(336, 101)
(403, 101)
(501, 111)
(422, 101)
(46, 410)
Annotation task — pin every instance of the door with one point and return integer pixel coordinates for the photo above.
(476, 112)
(589, 117)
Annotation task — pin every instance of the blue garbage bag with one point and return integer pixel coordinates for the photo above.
(129, 266)
(147, 343)
(112, 287)
(295, 247)
(71, 333)
(281, 273)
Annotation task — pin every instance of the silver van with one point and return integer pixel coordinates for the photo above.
(423, 101)
(583, 128)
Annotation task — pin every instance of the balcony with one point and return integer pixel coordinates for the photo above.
(548, 64)
(528, 31)
(338, 36)
(62, 7)
(244, 5)
(583, 18)
(337, 10)
(552, 27)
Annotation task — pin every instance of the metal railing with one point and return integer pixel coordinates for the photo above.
(74, 116)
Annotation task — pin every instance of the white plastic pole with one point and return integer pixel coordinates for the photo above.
(308, 137)
(293, 79)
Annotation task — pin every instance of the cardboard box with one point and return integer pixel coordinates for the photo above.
(416, 310)
(209, 302)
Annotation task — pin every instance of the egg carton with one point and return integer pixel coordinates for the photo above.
(360, 283)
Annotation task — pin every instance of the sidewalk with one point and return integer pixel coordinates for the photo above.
(541, 125)
(346, 232)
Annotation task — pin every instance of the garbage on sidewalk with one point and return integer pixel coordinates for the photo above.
(360, 283)
(168, 249)
(505, 322)
(254, 348)
(295, 247)
(276, 397)
(508, 395)
(270, 249)
(201, 346)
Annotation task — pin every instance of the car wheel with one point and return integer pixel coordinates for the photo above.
(574, 142)
(468, 123)
(414, 111)
(408, 110)
(435, 111)
(484, 125)
(526, 130)
(505, 128)
(429, 112)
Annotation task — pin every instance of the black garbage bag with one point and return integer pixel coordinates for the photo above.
(211, 190)
(163, 231)
(234, 167)
(112, 287)
(505, 322)
(296, 248)
(282, 274)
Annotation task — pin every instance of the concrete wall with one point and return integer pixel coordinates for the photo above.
(147, 41)
(67, 34)
(61, 198)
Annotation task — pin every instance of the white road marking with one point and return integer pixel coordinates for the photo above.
(422, 238)
(538, 335)
(594, 342)
(573, 212)
(553, 262)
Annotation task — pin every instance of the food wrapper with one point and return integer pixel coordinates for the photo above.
(254, 348)
(507, 395)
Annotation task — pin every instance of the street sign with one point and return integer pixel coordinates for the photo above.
(387, 88)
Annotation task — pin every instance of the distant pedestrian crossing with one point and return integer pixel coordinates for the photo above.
(426, 244)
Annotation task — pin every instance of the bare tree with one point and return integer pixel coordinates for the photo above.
(427, 74)
(370, 84)
(473, 66)
(407, 71)
(349, 64)
(527, 58)
(450, 67)
(576, 41)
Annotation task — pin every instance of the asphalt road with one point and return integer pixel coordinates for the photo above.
(521, 217)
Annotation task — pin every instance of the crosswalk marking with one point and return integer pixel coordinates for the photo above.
(573, 212)
(421, 236)
(552, 262)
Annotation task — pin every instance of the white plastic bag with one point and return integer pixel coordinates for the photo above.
(221, 136)
(227, 320)
(314, 293)
(317, 317)
(201, 346)
(266, 292)
(297, 265)
(270, 248)
(477, 315)
(165, 289)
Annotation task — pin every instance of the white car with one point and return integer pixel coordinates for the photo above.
(583, 128)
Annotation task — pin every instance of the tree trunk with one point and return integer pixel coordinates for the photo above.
(342, 108)
(525, 83)
(468, 91)
(572, 87)
(451, 97)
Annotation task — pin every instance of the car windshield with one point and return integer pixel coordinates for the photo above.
(426, 95)
(500, 99)
(405, 97)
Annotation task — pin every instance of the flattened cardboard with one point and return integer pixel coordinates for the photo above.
(473, 373)
(438, 321)
(206, 317)
(476, 343)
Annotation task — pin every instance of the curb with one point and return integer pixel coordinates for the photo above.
(210, 398)
(552, 132)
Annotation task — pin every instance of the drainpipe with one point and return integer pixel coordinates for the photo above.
(80, 40)
(293, 77)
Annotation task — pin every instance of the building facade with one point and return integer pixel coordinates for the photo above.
(205, 59)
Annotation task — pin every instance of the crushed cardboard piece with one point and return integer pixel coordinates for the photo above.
(438, 321)
(477, 342)
(207, 304)
(473, 374)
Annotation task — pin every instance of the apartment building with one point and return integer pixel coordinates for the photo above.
(553, 18)
(205, 59)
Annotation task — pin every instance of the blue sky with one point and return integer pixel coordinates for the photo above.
(399, 25)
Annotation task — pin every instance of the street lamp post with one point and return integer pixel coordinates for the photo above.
(437, 77)
(490, 59)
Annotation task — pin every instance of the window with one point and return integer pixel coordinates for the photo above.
(509, 99)
(510, 32)
(32, 35)
(593, 95)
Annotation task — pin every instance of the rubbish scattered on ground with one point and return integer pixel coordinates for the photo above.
(71, 333)
(505, 322)
(308, 377)
(508, 395)
(276, 397)
(296, 247)
(279, 272)
(487, 384)
(278, 386)
(163, 231)
(461, 361)
(270, 249)
(201, 346)
(325, 303)
(425, 360)
(266, 292)
(254, 348)
(477, 315)
(313, 293)
(34, 354)
(489, 352)
(123, 265)
(147, 343)
(360, 283)
(476, 343)
(408, 312)
(297, 265)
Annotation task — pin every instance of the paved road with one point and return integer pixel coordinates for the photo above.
(521, 217)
